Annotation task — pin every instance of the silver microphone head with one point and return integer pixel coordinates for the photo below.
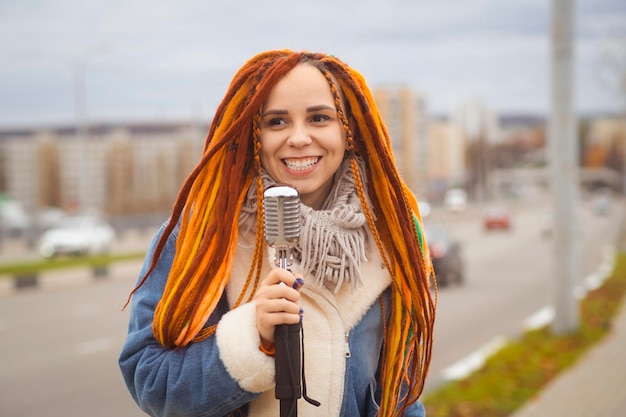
(281, 216)
(282, 221)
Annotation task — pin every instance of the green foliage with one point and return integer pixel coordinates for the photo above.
(24, 268)
(521, 369)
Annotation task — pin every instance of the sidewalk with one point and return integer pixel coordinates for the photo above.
(594, 387)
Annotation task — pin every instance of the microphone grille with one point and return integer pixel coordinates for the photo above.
(281, 216)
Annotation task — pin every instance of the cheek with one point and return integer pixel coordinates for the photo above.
(342, 145)
(266, 152)
(265, 159)
(344, 138)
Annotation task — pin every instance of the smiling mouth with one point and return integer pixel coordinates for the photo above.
(300, 164)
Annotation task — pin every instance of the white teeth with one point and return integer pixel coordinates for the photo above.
(300, 164)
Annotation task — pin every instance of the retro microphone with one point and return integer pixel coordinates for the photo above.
(282, 230)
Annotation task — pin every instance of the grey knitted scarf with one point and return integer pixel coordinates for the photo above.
(333, 240)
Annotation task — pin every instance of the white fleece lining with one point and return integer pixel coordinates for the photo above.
(238, 342)
(327, 317)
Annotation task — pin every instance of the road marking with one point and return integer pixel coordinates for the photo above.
(545, 315)
(94, 346)
(474, 361)
(541, 318)
(596, 279)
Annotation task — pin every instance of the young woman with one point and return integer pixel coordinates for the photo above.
(203, 315)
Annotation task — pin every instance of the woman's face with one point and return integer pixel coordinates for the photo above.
(302, 140)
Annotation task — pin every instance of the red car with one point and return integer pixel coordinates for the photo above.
(497, 217)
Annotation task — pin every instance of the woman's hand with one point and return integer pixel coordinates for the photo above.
(277, 303)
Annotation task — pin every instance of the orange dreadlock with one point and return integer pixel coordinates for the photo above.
(218, 186)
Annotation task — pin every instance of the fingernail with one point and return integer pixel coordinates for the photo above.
(301, 313)
(298, 283)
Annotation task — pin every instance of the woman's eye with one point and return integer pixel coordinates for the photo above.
(320, 118)
(275, 122)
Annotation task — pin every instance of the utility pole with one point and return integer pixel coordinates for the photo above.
(84, 194)
(82, 135)
(564, 169)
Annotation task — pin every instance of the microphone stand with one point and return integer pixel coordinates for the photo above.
(287, 357)
(282, 229)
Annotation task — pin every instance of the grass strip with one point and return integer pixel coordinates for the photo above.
(25, 268)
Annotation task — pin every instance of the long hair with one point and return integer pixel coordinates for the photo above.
(210, 200)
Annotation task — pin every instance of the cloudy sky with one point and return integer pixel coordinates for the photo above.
(152, 60)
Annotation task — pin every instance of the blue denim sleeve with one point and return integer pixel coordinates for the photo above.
(415, 410)
(189, 381)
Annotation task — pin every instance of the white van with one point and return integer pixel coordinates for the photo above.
(455, 200)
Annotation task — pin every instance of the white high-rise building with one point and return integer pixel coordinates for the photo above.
(404, 113)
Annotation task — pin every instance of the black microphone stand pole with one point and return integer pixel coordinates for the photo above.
(287, 359)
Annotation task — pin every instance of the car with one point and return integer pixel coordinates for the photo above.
(424, 208)
(14, 221)
(497, 217)
(602, 204)
(455, 200)
(77, 235)
(445, 254)
(546, 224)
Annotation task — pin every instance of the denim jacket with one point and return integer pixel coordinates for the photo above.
(227, 375)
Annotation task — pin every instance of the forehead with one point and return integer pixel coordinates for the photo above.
(303, 84)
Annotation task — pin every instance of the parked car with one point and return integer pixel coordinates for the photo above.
(455, 200)
(14, 221)
(497, 217)
(77, 235)
(446, 255)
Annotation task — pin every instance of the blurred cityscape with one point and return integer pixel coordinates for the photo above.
(104, 111)
(131, 170)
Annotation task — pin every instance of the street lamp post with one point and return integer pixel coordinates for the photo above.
(564, 169)
(82, 132)
(84, 191)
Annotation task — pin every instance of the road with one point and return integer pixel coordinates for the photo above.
(59, 347)
(509, 277)
(58, 352)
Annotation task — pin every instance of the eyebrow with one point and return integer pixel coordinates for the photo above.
(308, 110)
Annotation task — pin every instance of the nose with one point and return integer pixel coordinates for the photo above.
(299, 136)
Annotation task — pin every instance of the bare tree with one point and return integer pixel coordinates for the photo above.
(613, 59)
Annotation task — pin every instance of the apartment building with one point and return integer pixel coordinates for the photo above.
(404, 112)
(115, 169)
(446, 155)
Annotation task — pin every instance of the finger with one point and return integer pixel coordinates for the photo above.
(278, 318)
(278, 275)
(267, 322)
(298, 282)
(277, 305)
